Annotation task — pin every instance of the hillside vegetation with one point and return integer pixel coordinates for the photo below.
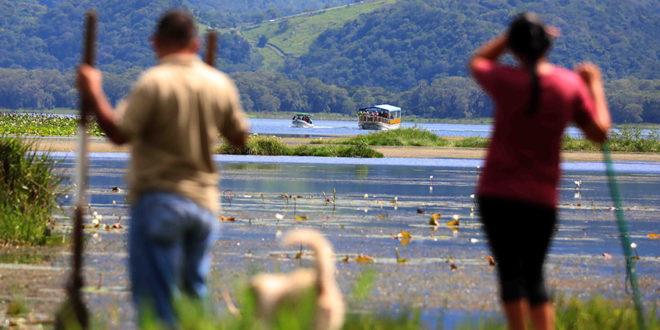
(333, 56)
(292, 36)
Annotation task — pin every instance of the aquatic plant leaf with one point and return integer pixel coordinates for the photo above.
(434, 219)
(453, 223)
(491, 261)
(653, 236)
(364, 259)
(398, 259)
(404, 237)
(301, 217)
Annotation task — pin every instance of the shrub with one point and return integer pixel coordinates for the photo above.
(28, 185)
(272, 146)
(398, 137)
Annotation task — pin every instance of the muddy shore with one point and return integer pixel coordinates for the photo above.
(97, 145)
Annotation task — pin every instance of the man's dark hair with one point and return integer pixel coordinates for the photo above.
(176, 28)
(529, 40)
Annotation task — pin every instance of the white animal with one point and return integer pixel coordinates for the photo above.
(578, 183)
(271, 290)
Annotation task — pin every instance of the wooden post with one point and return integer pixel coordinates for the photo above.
(75, 307)
(211, 44)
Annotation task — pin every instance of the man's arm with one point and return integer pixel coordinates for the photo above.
(238, 140)
(597, 130)
(90, 85)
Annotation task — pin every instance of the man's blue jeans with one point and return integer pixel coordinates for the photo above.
(169, 240)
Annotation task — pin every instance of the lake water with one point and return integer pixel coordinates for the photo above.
(374, 200)
(282, 127)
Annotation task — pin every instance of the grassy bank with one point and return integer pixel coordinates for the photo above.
(272, 146)
(624, 140)
(28, 185)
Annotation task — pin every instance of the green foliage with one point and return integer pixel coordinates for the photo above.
(272, 146)
(28, 185)
(599, 313)
(427, 39)
(398, 137)
(625, 139)
(21, 124)
(633, 139)
(408, 53)
(471, 142)
(297, 315)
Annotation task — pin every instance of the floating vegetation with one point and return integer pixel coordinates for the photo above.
(23, 124)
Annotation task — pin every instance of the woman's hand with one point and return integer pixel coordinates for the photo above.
(589, 72)
(593, 78)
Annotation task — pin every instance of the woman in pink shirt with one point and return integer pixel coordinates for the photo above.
(534, 102)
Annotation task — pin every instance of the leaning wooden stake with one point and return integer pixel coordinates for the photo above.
(74, 307)
(211, 43)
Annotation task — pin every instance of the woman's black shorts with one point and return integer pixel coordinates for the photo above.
(519, 236)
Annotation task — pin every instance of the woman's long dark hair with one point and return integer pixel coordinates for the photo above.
(529, 40)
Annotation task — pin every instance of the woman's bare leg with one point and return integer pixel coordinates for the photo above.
(517, 312)
(543, 316)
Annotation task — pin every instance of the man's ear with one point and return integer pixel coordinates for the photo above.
(194, 45)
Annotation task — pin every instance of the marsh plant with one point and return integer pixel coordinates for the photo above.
(28, 184)
(625, 139)
(298, 315)
(413, 136)
(272, 146)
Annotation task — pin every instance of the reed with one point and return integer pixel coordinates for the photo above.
(28, 184)
(399, 137)
(273, 146)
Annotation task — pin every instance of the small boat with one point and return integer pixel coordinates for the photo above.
(302, 120)
(379, 117)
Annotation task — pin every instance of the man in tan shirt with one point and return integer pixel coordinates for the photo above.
(172, 118)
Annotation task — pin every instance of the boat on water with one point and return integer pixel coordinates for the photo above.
(379, 117)
(302, 120)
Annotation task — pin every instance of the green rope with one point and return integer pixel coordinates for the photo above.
(623, 231)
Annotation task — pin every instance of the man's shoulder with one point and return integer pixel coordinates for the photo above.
(211, 73)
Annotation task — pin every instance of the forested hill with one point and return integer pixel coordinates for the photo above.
(47, 34)
(427, 39)
(411, 53)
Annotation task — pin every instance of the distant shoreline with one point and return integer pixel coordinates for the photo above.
(95, 145)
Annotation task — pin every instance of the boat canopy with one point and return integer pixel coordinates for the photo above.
(391, 111)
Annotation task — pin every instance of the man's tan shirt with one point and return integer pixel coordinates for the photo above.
(173, 117)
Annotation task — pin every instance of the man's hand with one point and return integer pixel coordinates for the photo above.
(89, 80)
